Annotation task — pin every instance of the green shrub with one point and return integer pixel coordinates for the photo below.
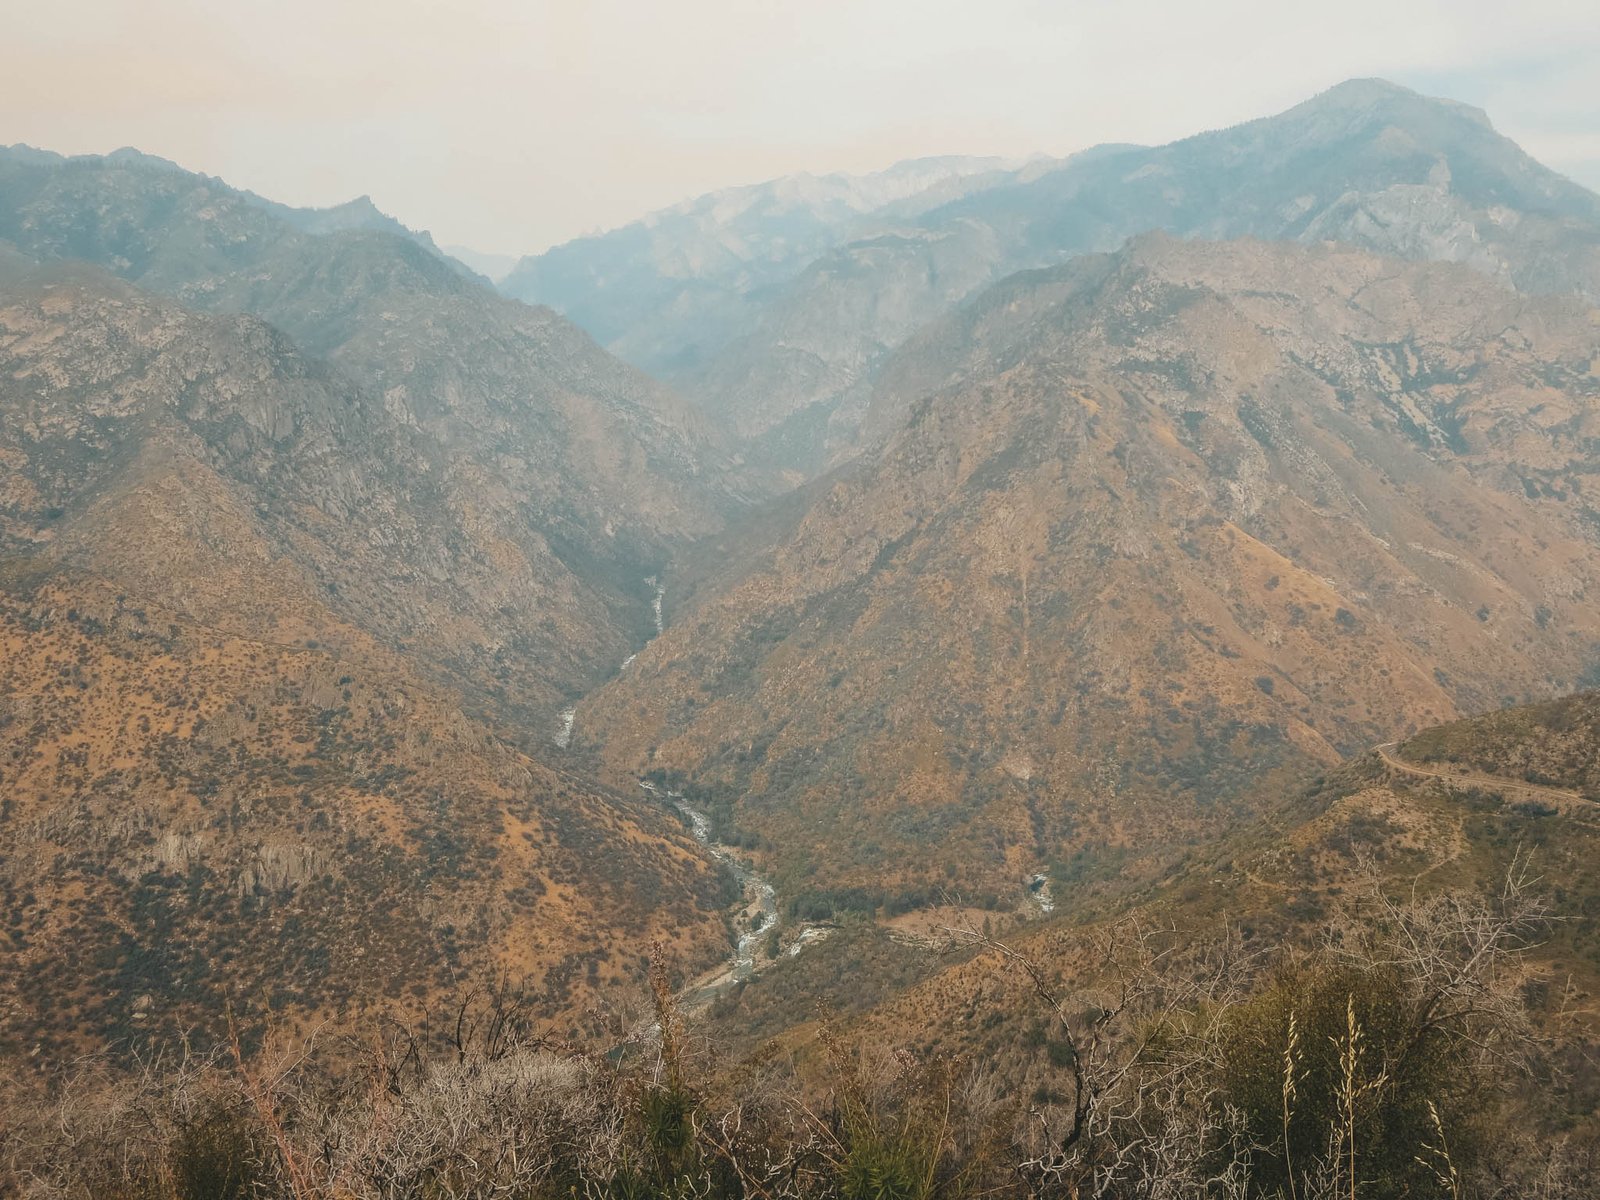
(1404, 1060)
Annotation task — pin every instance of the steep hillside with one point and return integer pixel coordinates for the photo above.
(1158, 533)
(1552, 745)
(222, 771)
(1320, 850)
(573, 473)
(190, 816)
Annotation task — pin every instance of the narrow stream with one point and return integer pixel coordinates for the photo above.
(755, 920)
(758, 916)
(661, 594)
(564, 728)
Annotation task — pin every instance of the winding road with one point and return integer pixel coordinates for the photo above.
(1562, 797)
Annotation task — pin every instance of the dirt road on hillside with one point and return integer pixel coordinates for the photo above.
(1563, 798)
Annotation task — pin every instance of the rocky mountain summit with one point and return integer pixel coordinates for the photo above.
(671, 290)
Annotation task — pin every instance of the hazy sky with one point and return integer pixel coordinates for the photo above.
(508, 126)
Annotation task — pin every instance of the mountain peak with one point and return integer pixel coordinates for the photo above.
(132, 156)
(361, 204)
(1366, 94)
(1362, 90)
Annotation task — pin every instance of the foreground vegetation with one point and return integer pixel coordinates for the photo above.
(1399, 1055)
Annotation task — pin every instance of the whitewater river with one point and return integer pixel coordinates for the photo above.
(756, 918)
(758, 915)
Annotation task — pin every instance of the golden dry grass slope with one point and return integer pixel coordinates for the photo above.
(1317, 853)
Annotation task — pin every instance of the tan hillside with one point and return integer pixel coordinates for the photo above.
(1554, 745)
(1368, 824)
(191, 815)
(1156, 534)
(219, 774)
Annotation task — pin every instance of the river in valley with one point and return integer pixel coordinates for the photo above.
(754, 921)
(757, 917)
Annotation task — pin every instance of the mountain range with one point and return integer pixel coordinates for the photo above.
(965, 533)
(547, 478)
(1155, 531)
(1366, 163)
